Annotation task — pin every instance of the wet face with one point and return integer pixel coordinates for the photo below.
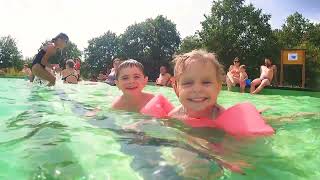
(131, 80)
(163, 70)
(197, 87)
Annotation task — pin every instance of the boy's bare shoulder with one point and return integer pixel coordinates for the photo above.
(117, 103)
(148, 96)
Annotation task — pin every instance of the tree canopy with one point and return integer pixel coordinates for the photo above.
(10, 56)
(234, 29)
(100, 52)
(152, 42)
(190, 43)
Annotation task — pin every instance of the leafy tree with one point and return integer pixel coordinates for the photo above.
(133, 41)
(313, 34)
(100, 52)
(153, 42)
(294, 31)
(298, 32)
(312, 64)
(10, 56)
(235, 29)
(190, 43)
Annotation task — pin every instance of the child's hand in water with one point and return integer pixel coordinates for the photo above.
(232, 166)
(93, 112)
(135, 126)
(291, 117)
(236, 166)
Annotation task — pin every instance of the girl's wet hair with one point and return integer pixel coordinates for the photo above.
(61, 36)
(200, 56)
(129, 63)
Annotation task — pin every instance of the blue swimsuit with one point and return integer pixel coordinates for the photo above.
(38, 58)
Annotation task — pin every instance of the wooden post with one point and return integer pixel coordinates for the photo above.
(303, 75)
(297, 57)
(281, 70)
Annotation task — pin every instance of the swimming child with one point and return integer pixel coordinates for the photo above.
(131, 80)
(41, 60)
(198, 80)
(243, 78)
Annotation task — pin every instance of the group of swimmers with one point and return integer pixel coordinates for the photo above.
(197, 81)
(237, 75)
(43, 70)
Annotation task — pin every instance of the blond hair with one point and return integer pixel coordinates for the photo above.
(183, 61)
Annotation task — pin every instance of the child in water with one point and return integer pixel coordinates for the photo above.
(198, 80)
(197, 83)
(131, 80)
(164, 77)
(41, 60)
(243, 78)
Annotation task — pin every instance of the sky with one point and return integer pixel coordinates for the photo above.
(31, 22)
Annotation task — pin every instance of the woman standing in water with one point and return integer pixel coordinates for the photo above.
(112, 76)
(42, 58)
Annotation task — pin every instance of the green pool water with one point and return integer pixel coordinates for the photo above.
(44, 134)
